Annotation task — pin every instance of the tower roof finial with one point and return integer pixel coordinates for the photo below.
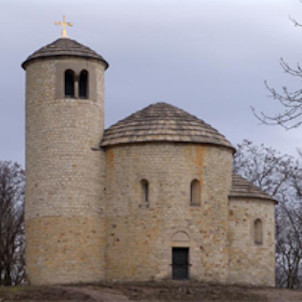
(64, 24)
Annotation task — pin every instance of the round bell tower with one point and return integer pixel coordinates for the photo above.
(64, 204)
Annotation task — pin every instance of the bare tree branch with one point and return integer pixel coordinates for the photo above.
(291, 101)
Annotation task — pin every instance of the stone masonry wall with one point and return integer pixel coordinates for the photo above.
(64, 216)
(140, 237)
(252, 263)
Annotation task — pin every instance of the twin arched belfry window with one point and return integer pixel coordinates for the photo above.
(76, 86)
(83, 84)
(69, 83)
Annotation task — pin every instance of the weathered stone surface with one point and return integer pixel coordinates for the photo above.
(65, 249)
(64, 176)
(251, 263)
(140, 238)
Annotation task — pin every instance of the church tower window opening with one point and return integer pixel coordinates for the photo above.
(195, 193)
(83, 84)
(258, 231)
(145, 191)
(69, 83)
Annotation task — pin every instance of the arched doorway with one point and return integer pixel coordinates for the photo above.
(180, 255)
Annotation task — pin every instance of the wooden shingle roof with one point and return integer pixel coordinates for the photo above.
(242, 188)
(65, 47)
(163, 122)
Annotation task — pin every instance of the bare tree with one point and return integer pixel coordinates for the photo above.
(12, 242)
(288, 246)
(265, 167)
(289, 235)
(281, 177)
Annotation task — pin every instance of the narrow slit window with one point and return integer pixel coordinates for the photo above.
(83, 84)
(195, 193)
(145, 190)
(69, 83)
(258, 232)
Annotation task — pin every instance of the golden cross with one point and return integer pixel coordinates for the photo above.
(64, 23)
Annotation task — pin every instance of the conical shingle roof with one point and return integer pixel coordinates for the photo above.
(162, 122)
(65, 47)
(242, 188)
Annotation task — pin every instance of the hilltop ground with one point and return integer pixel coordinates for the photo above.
(152, 292)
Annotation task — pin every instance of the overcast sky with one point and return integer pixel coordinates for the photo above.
(208, 57)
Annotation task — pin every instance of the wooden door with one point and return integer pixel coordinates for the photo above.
(180, 263)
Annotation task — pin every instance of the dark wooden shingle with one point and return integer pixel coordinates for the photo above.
(65, 47)
(242, 188)
(162, 122)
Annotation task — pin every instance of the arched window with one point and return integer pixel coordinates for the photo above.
(195, 193)
(83, 84)
(69, 83)
(145, 191)
(258, 231)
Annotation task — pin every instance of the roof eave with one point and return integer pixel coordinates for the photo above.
(29, 60)
(252, 197)
(105, 143)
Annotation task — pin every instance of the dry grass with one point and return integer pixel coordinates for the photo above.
(148, 292)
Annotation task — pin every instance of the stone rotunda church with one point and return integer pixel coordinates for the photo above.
(152, 197)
